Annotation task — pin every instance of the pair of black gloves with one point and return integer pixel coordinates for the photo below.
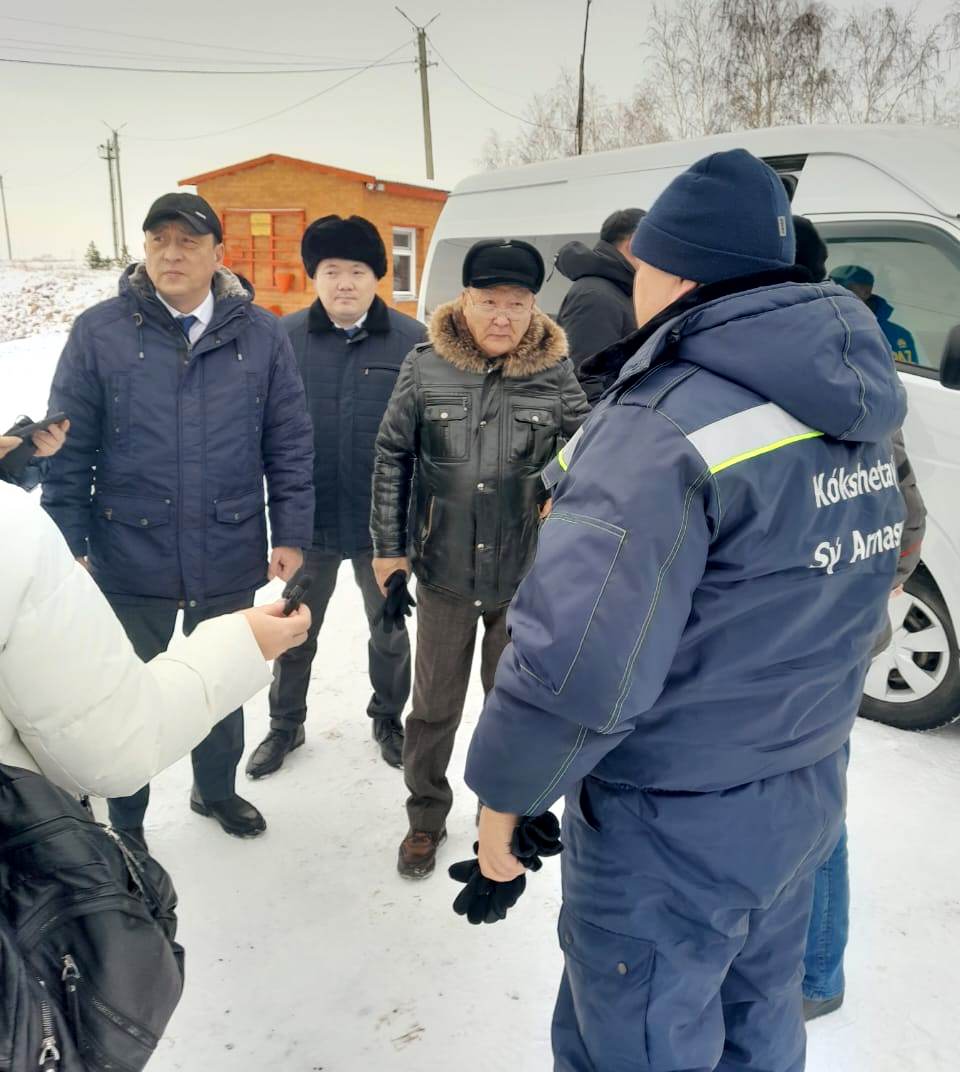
(484, 901)
(397, 606)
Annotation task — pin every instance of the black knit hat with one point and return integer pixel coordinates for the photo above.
(812, 251)
(353, 239)
(497, 262)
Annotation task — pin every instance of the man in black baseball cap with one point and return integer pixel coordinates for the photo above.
(182, 436)
(188, 207)
(474, 417)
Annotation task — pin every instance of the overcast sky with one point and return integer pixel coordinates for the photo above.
(51, 118)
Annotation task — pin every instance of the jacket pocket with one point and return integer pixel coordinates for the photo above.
(122, 509)
(590, 548)
(239, 509)
(610, 977)
(533, 435)
(446, 430)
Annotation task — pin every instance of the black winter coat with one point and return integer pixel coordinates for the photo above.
(476, 433)
(597, 310)
(348, 384)
(177, 441)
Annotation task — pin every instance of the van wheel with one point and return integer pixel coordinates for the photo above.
(914, 684)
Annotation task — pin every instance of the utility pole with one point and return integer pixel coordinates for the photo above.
(422, 65)
(124, 252)
(106, 153)
(6, 222)
(580, 98)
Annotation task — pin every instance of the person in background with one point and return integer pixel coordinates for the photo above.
(823, 980)
(473, 418)
(183, 396)
(597, 310)
(105, 722)
(860, 281)
(349, 347)
(689, 648)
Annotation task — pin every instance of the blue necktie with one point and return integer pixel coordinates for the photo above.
(185, 323)
(350, 332)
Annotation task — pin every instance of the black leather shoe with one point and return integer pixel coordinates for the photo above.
(813, 1009)
(236, 815)
(388, 733)
(270, 753)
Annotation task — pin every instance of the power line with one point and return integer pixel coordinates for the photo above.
(100, 31)
(281, 111)
(182, 70)
(486, 100)
(26, 44)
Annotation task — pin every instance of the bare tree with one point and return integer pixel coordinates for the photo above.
(550, 125)
(687, 68)
(890, 67)
(773, 65)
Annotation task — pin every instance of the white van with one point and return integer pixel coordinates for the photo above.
(884, 198)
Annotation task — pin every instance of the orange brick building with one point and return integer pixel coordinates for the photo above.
(266, 204)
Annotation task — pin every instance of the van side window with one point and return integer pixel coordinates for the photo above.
(909, 276)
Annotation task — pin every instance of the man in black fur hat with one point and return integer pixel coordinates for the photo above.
(475, 416)
(349, 346)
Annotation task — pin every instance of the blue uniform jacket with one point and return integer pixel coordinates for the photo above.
(718, 561)
(161, 477)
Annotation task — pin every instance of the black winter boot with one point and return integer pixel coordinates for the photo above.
(388, 733)
(269, 755)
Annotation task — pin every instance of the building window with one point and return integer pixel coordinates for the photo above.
(404, 263)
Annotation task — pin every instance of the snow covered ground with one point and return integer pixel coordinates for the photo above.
(307, 952)
(42, 296)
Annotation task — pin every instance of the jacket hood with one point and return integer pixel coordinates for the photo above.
(575, 260)
(226, 284)
(815, 350)
(543, 345)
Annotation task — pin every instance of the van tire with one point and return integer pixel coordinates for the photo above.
(941, 705)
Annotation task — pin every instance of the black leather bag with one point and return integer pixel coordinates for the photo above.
(90, 973)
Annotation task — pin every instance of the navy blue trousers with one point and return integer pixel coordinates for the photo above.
(684, 923)
(150, 626)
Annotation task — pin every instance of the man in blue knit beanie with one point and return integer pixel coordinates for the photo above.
(689, 648)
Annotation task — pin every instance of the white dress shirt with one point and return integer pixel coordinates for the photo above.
(203, 313)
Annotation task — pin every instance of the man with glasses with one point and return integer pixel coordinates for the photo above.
(476, 414)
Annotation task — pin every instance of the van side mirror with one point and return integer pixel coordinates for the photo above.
(950, 362)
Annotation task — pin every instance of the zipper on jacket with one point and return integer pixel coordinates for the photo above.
(49, 1053)
(70, 977)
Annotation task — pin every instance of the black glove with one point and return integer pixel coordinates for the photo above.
(484, 901)
(13, 465)
(396, 607)
(536, 836)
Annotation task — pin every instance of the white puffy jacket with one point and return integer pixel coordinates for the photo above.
(75, 701)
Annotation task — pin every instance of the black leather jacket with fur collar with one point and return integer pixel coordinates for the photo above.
(467, 436)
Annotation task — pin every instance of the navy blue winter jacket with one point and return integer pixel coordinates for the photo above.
(161, 477)
(718, 561)
(348, 383)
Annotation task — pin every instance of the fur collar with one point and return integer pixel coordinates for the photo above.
(543, 346)
(225, 283)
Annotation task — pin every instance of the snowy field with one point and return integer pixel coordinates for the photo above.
(307, 952)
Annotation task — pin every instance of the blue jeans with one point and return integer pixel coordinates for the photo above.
(829, 927)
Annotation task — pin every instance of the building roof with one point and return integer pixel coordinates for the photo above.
(401, 189)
